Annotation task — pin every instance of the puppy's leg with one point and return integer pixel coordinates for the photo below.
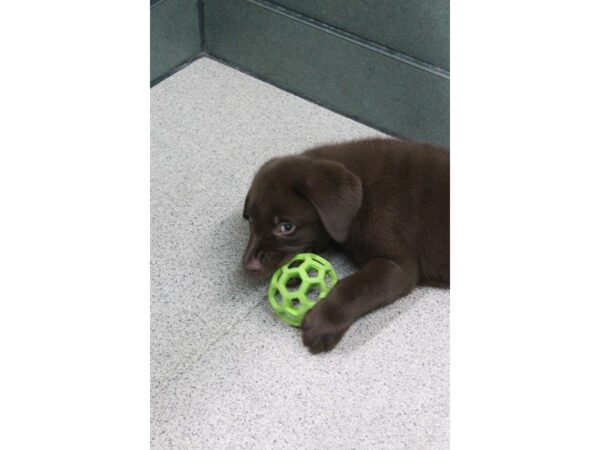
(377, 283)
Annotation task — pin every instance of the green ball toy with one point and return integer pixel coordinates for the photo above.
(297, 286)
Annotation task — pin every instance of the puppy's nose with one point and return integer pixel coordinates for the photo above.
(253, 265)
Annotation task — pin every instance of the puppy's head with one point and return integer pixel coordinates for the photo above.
(297, 204)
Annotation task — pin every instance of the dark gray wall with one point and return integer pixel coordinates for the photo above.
(418, 28)
(382, 62)
(175, 35)
(353, 76)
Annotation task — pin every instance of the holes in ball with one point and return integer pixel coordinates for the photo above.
(313, 293)
(295, 303)
(328, 280)
(278, 298)
(313, 272)
(295, 263)
(318, 262)
(293, 284)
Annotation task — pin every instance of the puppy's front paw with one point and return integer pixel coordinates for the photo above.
(323, 327)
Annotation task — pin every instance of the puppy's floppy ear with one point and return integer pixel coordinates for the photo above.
(335, 192)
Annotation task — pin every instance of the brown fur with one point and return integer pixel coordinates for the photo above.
(385, 202)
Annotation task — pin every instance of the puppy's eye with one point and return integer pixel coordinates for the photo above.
(286, 228)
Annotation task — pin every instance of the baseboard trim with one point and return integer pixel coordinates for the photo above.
(176, 69)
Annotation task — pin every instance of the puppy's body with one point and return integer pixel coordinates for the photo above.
(405, 209)
(385, 202)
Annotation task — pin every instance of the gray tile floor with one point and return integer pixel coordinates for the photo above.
(226, 373)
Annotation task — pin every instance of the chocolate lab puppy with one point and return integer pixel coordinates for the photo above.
(384, 202)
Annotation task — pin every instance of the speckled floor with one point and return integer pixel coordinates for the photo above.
(226, 373)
